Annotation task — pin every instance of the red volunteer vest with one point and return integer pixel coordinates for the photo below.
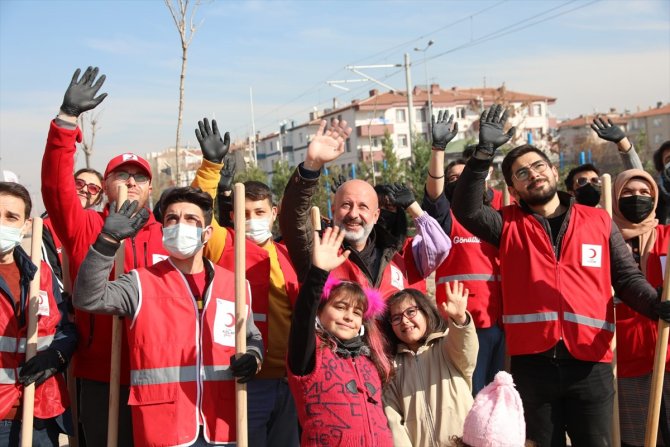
(180, 375)
(545, 300)
(637, 334)
(340, 402)
(475, 263)
(51, 398)
(258, 275)
(405, 260)
(391, 282)
(92, 360)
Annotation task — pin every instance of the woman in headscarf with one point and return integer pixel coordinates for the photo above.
(634, 200)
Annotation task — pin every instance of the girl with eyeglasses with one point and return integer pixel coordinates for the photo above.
(336, 360)
(435, 353)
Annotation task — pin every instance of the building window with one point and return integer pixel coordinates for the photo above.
(657, 139)
(657, 122)
(301, 137)
(348, 145)
(536, 110)
(420, 114)
(375, 142)
(400, 116)
(402, 140)
(460, 112)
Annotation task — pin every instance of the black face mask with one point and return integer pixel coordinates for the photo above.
(636, 208)
(588, 195)
(449, 190)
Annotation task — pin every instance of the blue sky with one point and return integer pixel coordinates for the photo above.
(589, 55)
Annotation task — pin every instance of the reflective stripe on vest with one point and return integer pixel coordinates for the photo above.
(553, 316)
(260, 317)
(530, 318)
(588, 321)
(8, 344)
(7, 376)
(172, 374)
(468, 277)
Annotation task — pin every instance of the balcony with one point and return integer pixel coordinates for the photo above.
(375, 130)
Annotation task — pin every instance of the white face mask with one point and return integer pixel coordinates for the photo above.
(182, 241)
(10, 237)
(258, 230)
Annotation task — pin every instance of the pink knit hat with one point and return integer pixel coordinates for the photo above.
(496, 417)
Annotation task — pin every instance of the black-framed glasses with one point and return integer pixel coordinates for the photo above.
(595, 181)
(91, 188)
(408, 313)
(538, 167)
(140, 177)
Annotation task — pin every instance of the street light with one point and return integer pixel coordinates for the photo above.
(429, 116)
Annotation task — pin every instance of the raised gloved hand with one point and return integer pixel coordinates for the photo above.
(80, 95)
(244, 367)
(491, 135)
(227, 174)
(214, 148)
(662, 308)
(337, 182)
(121, 224)
(444, 130)
(401, 195)
(607, 130)
(44, 365)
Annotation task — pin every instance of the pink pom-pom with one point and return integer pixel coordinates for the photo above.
(503, 379)
(331, 282)
(376, 304)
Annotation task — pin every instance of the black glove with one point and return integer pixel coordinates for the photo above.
(213, 147)
(401, 195)
(662, 308)
(227, 174)
(244, 367)
(444, 130)
(337, 182)
(607, 131)
(44, 365)
(80, 95)
(122, 224)
(491, 135)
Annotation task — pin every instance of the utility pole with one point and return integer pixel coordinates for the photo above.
(410, 101)
(428, 87)
(253, 128)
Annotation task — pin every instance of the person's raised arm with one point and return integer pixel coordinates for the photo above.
(430, 245)
(461, 344)
(294, 223)
(443, 131)
(58, 189)
(93, 292)
(468, 206)
(609, 131)
(302, 339)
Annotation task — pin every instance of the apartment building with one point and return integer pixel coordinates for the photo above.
(388, 112)
(650, 128)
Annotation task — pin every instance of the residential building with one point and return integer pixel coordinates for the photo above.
(379, 113)
(649, 129)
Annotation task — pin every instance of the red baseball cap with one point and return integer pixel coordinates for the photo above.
(127, 159)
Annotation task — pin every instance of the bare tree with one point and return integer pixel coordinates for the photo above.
(87, 145)
(179, 11)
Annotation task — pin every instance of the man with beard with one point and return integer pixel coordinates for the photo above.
(356, 211)
(558, 262)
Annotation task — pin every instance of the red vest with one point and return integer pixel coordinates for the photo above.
(51, 398)
(393, 278)
(180, 375)
(92, 359)
(258, 275)
(340, 402)
(636, 334)
(497, 199)
(405, 260)
(545, 300)
(475, 263)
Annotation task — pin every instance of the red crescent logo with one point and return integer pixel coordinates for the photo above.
(232, 320)
(593, 253)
